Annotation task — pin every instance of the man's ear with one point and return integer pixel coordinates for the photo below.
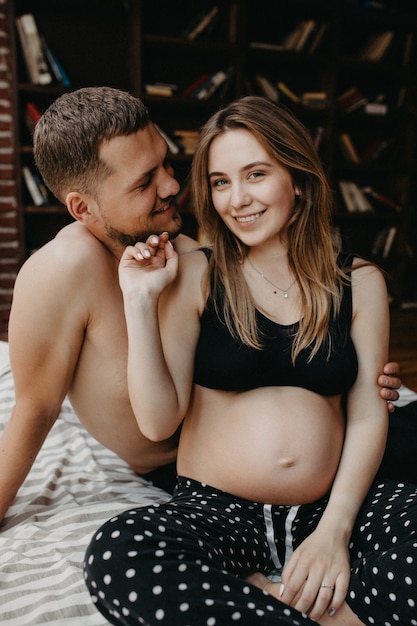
(78, 205)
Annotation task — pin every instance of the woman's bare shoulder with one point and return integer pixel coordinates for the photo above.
(184, 244)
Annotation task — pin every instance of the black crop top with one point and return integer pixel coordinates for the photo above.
(223, 362)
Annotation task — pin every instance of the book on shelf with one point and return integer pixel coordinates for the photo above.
(209, 88)
(305, 37)
(41, 186)
(264, 45)
(317, 136)
(375, 149)
(297, 38)
(377, 46)
(201, 23)
(174, 148)
(351, 100)
(402, 93)
(287, 92)
(266, 87)
(305, 29)
(160, 89)
(408, 48)
(191, 89)
(188, 139)
(362, 202)
(33, 52)
(353, 198)
(348, 148)
(183, 198)
(383, 242)
(32, 115)
(381, 200)
(409, 304)
(315, 99)
(376, 108)
(57, 69)
(347, 196)
(316, 37)
(37, 193)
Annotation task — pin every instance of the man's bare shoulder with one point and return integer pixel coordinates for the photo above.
(75, 263)
(73, 249)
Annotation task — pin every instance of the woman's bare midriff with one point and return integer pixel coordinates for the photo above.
(278, 445)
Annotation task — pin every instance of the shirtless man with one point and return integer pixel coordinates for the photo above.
(102, 157)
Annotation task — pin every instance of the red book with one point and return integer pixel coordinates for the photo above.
(189, 90)
(32, 115)
(33, 112)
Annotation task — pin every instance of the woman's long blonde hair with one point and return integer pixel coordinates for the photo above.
(311, 249)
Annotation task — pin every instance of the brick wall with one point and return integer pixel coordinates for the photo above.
(10, 245)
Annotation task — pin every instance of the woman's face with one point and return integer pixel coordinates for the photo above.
(253, 194)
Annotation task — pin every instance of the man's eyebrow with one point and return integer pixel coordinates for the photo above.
(142, 177)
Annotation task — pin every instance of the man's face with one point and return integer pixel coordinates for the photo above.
(136, 200)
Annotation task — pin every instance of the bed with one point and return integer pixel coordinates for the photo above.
(75, 485)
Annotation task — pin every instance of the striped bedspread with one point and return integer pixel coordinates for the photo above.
(74, 486)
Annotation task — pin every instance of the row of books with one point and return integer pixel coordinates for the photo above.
(365, 199)
(36, 187)
(203, 87)
(353, 99)
(371, 151)
(278, 90)
(348, 101)
(42, 64)
(383, 241)
(308, 34)
(305, 37)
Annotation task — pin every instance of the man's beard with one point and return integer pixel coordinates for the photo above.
(130, 239)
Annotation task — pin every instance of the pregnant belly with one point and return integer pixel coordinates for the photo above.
(278, 445)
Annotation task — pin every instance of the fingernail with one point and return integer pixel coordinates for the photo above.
(332, 611)
(146, 253)
(281, 589)
(155, 240)
(170, 244)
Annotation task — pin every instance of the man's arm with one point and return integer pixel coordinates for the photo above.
(45, 336)
(389, 382)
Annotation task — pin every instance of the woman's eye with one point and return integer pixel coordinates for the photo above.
(220, 182)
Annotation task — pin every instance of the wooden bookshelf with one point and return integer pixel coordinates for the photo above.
(319, 51)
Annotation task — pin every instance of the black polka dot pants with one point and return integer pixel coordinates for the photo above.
(183, 563)
(383, 553)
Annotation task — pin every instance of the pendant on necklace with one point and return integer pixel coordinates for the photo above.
(284, 292)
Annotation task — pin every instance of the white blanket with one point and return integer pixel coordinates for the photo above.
(75, 485)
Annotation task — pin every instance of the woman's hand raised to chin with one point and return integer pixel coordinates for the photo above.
(147, 268)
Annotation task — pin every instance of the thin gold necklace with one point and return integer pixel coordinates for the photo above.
(285, 292)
